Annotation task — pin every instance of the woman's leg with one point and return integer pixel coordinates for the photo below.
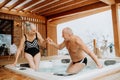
(37, 60)
(30, 60)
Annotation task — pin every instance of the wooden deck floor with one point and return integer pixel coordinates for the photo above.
(6, 74)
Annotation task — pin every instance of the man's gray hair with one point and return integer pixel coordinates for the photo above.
(68, 30)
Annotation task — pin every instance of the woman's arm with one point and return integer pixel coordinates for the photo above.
(41, 40)
(19, 50)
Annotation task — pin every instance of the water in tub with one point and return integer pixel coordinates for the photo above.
(56, 66)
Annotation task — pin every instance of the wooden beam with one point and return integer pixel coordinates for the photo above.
(15, 4)
(81, 9)
(67, 18)
(37, 5)
(116, 28)
(62, 5)
(109, 2)
(68, 6)
(4, 3)
(60, 2)
(42, 7)
(22, 14)
(117, 1)
(28, 4)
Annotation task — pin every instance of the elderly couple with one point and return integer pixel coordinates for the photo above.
(32, 40)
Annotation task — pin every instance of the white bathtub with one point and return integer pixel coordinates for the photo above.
(49, 67)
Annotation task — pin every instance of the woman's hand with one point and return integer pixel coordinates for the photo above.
(14, 64)
(50, 41)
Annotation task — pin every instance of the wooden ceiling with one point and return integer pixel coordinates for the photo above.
(52, 8)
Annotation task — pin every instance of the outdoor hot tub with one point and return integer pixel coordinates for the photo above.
(54, 69)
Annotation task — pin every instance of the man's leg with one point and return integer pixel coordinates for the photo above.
(75, 68)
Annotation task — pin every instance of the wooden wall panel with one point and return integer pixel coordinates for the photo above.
(52, 33)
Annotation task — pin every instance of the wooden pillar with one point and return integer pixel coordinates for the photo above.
(116, 28)
(95, 46)
(51, 33)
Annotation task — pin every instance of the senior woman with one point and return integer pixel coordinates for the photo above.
(30, 43)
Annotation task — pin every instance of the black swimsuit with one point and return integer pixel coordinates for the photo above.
(31, 48)
(81, 61)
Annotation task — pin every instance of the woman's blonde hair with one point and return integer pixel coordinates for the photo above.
(28, 25)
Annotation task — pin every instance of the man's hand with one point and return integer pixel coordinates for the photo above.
(100, 66)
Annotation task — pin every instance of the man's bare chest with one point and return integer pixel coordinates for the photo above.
(72, 46)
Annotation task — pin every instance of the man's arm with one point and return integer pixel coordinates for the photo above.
(90, 53)
(60, 46)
